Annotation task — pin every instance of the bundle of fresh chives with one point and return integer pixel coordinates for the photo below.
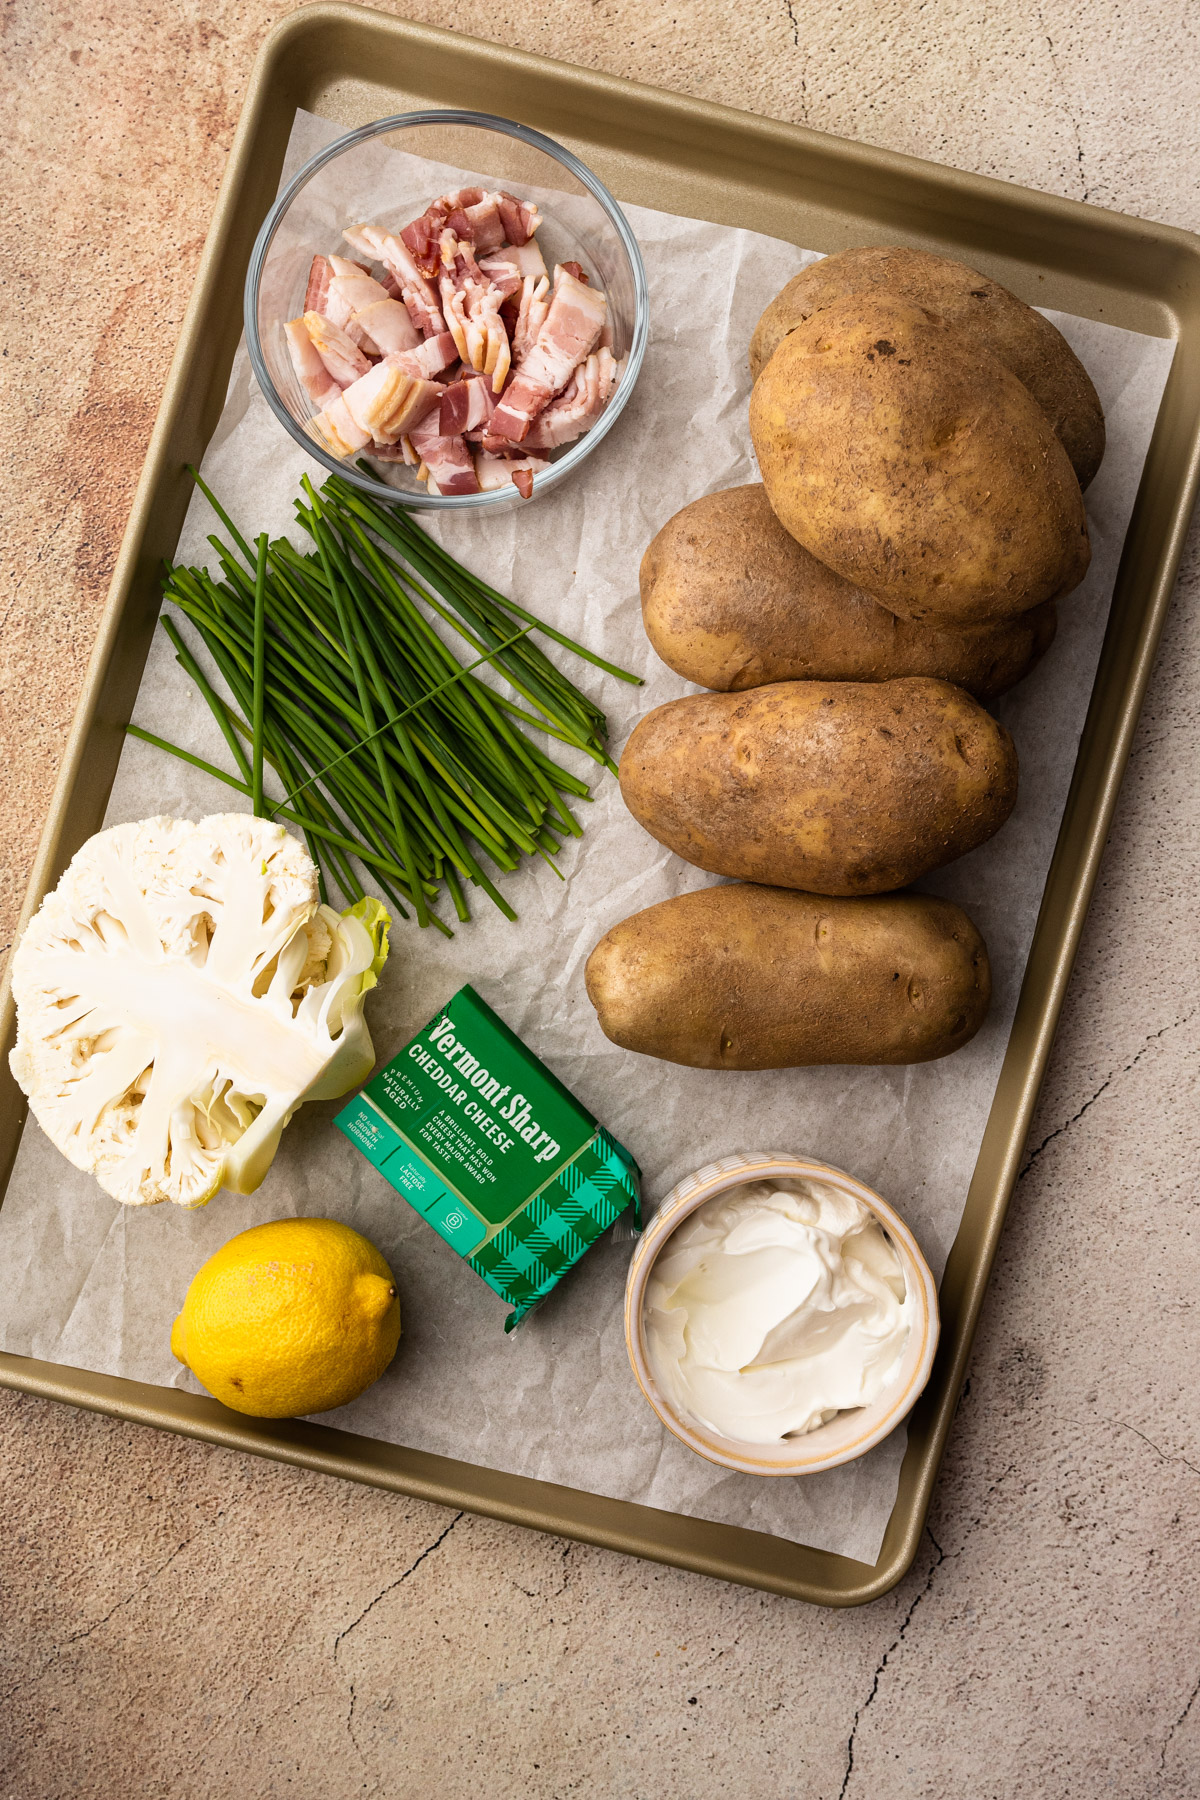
(394, 756)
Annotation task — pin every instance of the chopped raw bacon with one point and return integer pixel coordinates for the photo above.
(466, 406)
(435, 357)
(447, 461)
(337, 430)
(579, 405)
(341, 356)
(456, 262)
(423, 237)
(482, 219)
(527, 259)
(317, 382)
(571, 330)
(531, 315)
(319, 277)
(510, 313)
(485, 226)
(473, 316)
(350, 294)
(386, 402)
(501, 471)
(471, 304)
(520, 218)
(388, 329)
(422, 242)
(459, 212)
(415, 291)
(450, 351)
(504, 276)
(402, 452)
(497, 471)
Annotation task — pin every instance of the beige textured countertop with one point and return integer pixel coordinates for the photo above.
(182, 1621)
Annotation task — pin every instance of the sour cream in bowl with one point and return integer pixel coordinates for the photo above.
(780, 1317)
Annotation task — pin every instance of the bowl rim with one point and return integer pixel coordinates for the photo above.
(538, 140)
(882, 1416)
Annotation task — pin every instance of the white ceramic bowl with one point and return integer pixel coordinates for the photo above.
(853, 1432)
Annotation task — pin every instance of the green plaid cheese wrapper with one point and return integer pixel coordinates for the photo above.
(480, 1138)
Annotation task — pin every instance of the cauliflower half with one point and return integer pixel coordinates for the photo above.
(179, 994)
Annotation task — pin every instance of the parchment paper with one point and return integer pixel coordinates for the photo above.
(89, 1283)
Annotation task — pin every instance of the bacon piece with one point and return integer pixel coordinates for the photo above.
(466, 406)
(320, 275)
(510, 313)
(416, 292)
(335, 429)
(497, 471)
(579, 405)
(351, 297)
(526, 259)
(570, 332)
(387, 328)
(386, 402)
(340, 266)
(435, 357)
(575, 269)
(471, 305)
(461, 213)
(341, 356)
(473, 316)
(520, 218)
(475, 216)
(531, 315)
(421, 240)
(401, 452)
(504, 276)
(485, 225)
(447, 460)
(422, 237)
(315, 378)
(456, 261)
(351, 294)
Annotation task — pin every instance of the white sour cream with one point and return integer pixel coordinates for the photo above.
(775, 1306)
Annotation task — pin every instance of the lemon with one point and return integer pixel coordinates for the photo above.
(288, 1318)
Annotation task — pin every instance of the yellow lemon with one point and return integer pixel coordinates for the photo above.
(288, 1318)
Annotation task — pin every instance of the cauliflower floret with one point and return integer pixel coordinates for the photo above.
(180, 994)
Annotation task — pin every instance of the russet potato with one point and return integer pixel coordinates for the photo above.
(909, 460)
(1025, 342)
(740, 977)
(730, 601)
(835, 787)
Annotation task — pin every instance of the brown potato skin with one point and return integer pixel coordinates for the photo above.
(731, 601)
(744, 977)
(909, 460)
(1036, 352)
(834, 787)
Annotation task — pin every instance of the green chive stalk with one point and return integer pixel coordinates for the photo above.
(396, 758)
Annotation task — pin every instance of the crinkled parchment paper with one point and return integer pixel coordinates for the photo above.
(88, 1283)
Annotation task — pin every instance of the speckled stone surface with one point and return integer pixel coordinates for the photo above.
(183, 1621)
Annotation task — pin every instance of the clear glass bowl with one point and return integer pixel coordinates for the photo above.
(372, 174)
